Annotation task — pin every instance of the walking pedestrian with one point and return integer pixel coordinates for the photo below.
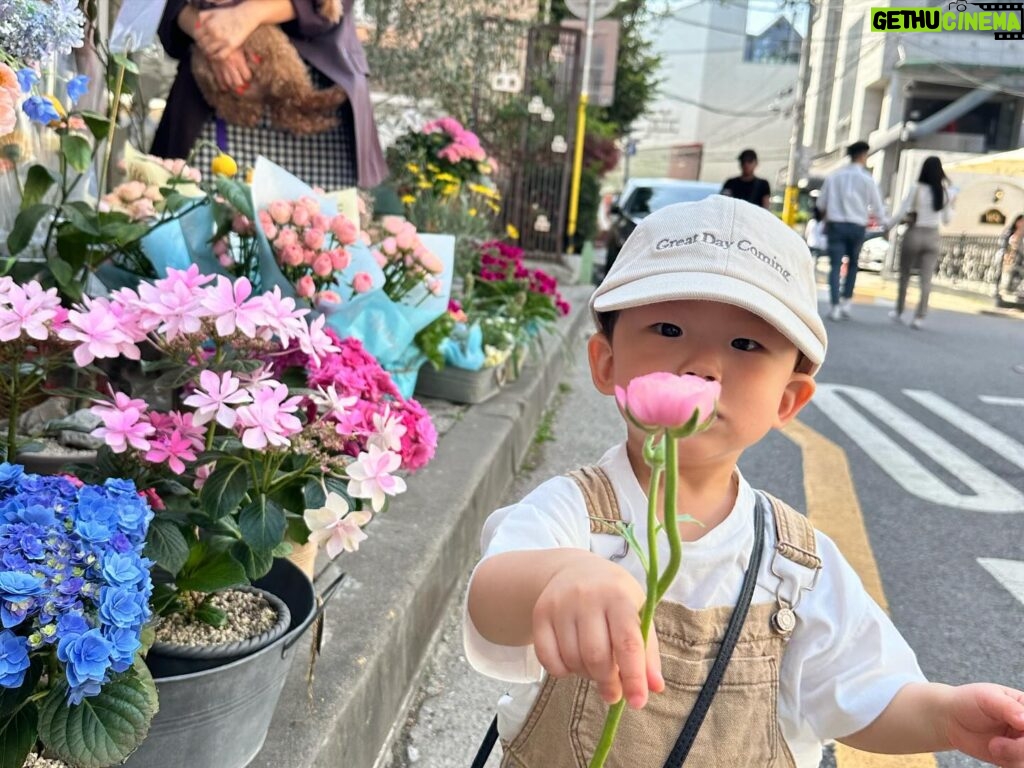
(928, 204)
(1011, 274)
(747, 186)
(815, 237)
(847, 198)
(723, 291)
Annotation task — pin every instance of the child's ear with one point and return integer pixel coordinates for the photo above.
(795, 396)
(602, 368)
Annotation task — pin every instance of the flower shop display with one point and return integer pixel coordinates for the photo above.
(442, 175)
(74, 598)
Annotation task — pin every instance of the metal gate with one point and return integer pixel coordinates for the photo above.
(528, 122)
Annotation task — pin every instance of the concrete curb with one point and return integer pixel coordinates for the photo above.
(379, 627)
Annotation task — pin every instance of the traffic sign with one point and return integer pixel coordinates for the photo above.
(602, 8)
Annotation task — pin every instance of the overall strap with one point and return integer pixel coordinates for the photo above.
(599, 494)
(794, 535)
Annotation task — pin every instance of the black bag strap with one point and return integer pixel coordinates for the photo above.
(488, 744)
(700, 709)
(688, 735)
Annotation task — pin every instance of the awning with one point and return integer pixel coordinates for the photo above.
(998, 164)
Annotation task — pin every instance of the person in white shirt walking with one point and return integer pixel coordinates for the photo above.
(847, 198)
(928, 204)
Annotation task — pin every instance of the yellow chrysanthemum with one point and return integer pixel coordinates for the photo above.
(511, 231)
(492, 205)
(412, 167)
(424, 184)
(445, 177)
(432, 167)
(224, 165)
(472, 211)
(408, 199)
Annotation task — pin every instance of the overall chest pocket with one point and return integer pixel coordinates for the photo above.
(741, 728)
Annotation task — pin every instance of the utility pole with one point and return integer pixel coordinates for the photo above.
(796, 142)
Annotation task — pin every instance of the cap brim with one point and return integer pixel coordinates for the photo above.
(714, 287)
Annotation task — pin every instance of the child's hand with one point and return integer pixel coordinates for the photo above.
(986, 721)
(586, 622)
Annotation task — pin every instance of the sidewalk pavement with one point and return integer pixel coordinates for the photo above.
(381, 625)
(874, 288)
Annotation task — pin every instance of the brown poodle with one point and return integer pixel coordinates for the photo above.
(280, 82)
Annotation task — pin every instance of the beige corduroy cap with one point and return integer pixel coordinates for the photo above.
(720, 249)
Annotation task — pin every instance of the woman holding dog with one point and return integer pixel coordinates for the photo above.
(928, 204)
(286, 79)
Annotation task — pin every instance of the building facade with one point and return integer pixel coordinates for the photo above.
(721, 89)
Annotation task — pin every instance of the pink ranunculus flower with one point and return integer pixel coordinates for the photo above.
(362, 282)
(389, 247)
(322, 266)
(301, 216)
(8, 112)
(664, 401)
(340, 259)
(285, 238)
(430, 262)
(280, 211)
(313, 238)
(293, 255)
(305, 287)
(406, 240)
(344, 229)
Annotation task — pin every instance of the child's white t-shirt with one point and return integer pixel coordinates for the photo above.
(843, 664)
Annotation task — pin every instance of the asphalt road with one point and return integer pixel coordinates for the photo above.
(938, 473)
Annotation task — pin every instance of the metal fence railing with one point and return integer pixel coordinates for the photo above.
(979, 264)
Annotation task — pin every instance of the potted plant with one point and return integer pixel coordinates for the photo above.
(74, 597)
(244, 450)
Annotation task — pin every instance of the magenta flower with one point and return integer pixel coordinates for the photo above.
(215, 396)
(174, 448)
(370, 476)
(228, 302)
(663, 401)
(27, 309)
(269, 419)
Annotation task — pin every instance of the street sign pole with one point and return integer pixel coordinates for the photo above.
(581, 127)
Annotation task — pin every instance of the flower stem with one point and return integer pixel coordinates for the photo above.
(114, 109)
(611, 722)
(675, 547)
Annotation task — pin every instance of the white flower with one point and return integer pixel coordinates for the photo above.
(335, 405)
(370, 476)
(389, 431)
(334, 524)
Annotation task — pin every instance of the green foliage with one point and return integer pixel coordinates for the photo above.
(209, 570)
(429, 340)
(104, 729)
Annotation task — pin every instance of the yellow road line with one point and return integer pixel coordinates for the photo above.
(833, 507)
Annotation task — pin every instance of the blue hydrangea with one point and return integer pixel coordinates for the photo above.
(73, 580)
(32, 30)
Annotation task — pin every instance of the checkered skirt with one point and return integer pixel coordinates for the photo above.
(325, 160)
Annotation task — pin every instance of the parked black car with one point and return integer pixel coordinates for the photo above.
(644, 196)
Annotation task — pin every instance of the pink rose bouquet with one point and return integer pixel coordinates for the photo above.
(309, 246)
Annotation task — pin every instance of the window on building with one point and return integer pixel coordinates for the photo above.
(778, 44)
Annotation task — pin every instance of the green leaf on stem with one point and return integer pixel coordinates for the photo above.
(38, 182)
(628, 532)
(262, 523)
(25, 226)
(164, 599)
(12, 698)
(104, 729)
(315, 495)
(237, 194)
(76, 150)
(297, 529)
(209, 570)
(64, 274)
(123, 61)
(224, 490)
(208, 613)
(99, 125)
(82, 217)
(166, 545)
(18, 734)
(257, 562)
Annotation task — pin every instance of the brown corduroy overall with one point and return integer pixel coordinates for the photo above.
(740, 730)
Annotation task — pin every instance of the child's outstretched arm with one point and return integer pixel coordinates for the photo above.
(982, 720)
(580, 612)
